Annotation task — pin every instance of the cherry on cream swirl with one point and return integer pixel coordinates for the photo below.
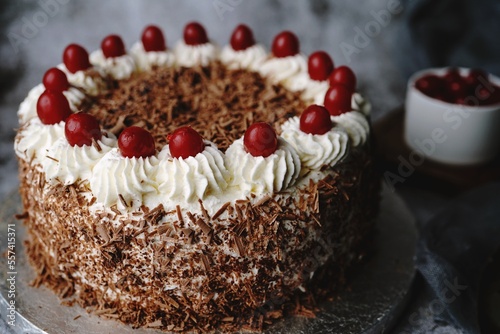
(316, 151)
(27, 109)
(123, 181)
(193, 178)
(260, 175)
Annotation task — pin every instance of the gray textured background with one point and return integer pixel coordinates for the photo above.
(34, 33)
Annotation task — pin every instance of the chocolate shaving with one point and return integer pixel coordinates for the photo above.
(203, 210)
(179, 214)
(204, 227)
(239, 246)
(122, 200)
(96, 145)
(206, 263)
(21, 216)
(221, 210)
(262, 201)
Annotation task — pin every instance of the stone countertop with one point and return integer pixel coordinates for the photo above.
(362, 34)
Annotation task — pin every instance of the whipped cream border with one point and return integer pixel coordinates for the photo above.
(353, 125)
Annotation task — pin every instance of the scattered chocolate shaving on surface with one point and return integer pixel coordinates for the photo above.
(96, 145)
(160, 101)
(204, 227)
(221, 211)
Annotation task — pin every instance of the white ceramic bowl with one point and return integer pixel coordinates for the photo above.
(451, 133)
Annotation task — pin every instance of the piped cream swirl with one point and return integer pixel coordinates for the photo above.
(35, 138)
(118, 68)
(282, 70)
(359, 103)
(91, 81)
(146, 60)
(312, 91)
(316, 151)
(27, 109)
(260, 175)
(116, 177)
(355, 124)
(192, 178)
(251, 58)
(67, 163)
(192, 55)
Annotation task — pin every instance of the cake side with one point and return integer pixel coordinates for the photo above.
(243, 267)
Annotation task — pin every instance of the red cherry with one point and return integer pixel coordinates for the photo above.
(345, 76)
(430, 85)
(52, 107)
(468, 101)
(285, 44)
(185, 142)
(338, 99)
(135, 142)
(153, 39)
(319, 65)
(315, 120)
(81, 128)
(483, 94)
(242, 38)
(112, 46)
(445, 97)
(494, 97)
(195, 34)
(76, 58)
(475, 76)
(452, 74)
(260, 140)
(458, 88)
(55, 80)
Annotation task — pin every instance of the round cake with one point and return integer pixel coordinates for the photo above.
(196, 188)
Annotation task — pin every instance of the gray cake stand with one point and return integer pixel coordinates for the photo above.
(376, 295)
